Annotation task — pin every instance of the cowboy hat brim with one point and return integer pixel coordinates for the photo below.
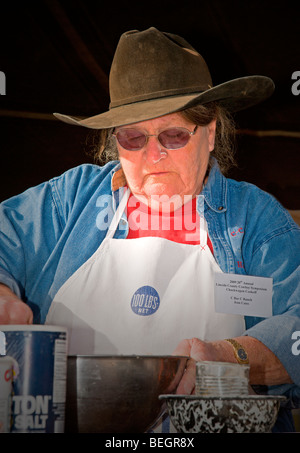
(234, 95)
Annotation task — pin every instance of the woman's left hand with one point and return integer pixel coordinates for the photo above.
(265, 367)
(197, 350)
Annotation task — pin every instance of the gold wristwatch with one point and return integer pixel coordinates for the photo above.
(239, 352)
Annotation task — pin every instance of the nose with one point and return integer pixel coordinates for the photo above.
(154, 151)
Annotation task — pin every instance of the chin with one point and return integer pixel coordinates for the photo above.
(161, 197)
(160, 189)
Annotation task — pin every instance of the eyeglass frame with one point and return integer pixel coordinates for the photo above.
(157, 135)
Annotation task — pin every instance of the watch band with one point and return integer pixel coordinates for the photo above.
(239, 352)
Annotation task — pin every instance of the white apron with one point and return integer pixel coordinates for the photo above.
(142, 296)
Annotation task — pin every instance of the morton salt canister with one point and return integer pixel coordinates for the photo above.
(39, 356)
(6, 373)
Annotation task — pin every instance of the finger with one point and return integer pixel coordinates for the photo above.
(16, 312)
(187, 383)
(21, 314)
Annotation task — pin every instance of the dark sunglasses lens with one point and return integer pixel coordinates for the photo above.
(174, 138)
(131, 139)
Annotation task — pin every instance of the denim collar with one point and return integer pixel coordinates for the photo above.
(118, 179)
(215, 190)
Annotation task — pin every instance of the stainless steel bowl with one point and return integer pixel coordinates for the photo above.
(118, 394)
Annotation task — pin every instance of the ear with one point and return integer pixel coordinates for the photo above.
(211, 131)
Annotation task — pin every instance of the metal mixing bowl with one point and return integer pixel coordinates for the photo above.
(118, 394)
(244, 414)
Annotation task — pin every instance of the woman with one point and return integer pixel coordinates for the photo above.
(88, 250)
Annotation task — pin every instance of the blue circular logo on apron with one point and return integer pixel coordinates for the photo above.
(145, 301)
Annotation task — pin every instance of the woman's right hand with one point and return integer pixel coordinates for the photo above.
(12, 309)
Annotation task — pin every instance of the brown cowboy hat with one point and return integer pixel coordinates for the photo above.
(155, 73)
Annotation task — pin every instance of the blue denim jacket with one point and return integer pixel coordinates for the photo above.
(49, 231)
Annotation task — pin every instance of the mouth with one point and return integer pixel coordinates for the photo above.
(158, 173)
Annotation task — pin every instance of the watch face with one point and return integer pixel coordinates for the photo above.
(242, 354)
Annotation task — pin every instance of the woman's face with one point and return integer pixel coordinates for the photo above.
(179, 172)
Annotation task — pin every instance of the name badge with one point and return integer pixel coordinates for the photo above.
(243, 295)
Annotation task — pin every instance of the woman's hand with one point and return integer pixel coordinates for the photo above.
(198, 351)
(265, 367)
(12, 309)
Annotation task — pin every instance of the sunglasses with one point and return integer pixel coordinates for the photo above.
(173, 138)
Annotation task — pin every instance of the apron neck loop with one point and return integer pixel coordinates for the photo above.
(118, 214)
(122, 205)
(203, 227)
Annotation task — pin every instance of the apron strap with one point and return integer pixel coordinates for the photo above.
(203, 225)
(203, 232)
(118, 214)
